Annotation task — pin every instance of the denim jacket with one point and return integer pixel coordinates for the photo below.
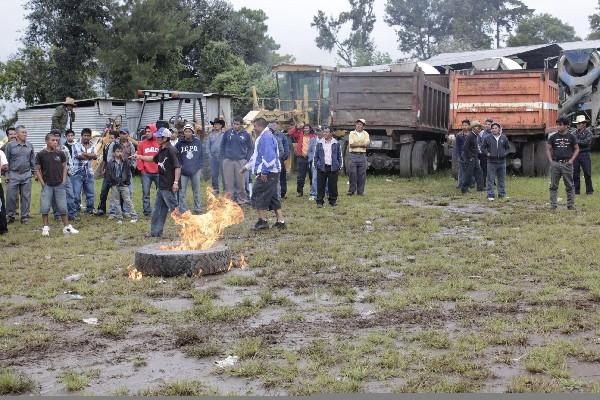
(336, 156)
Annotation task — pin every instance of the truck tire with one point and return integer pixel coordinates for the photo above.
(152, 260)
(432, 156)
(541, 161)
(419, 159)
(405, 159)
(528, 159)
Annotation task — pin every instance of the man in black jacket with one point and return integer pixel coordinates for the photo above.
(470, 159)
(496, 147)
(583, 160)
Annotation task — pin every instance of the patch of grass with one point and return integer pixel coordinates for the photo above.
(114, 326)
(139, 362)
(121, 391)
(292, 317)
(344, 291)
(63, 314)
(343, 312)
(434, 339)
(428, 383)
(22, 339)
(237, 280)
(248, 347)
(179, 388)
(12, 382)
(323, 384)
(203, 350)
(550, 359)
(532, 384)
(205, 310)
(77, 381)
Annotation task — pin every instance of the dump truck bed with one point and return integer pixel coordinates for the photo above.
(523, 102)
(389, 100)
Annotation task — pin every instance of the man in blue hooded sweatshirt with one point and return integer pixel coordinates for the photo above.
(189, 151)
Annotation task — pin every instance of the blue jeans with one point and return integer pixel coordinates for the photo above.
(195, 181)
(313, 183)
(71, 207)
(53, 195)
(112, 208)
(147, 180)
(165, 202)
(83, 181)
(496, 170)
(216, 169)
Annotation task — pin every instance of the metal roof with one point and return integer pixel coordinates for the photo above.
(469, 56)
(583, 44)
(47, 105)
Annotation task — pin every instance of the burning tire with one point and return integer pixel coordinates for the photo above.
(152, 260)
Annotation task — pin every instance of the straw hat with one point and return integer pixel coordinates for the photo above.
(475, 124)
(69, 101)
(581, 119)
(362, 121)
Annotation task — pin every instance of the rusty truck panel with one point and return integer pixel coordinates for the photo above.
(523, 102)
(389, 100)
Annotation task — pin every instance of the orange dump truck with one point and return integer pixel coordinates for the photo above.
(524, 102)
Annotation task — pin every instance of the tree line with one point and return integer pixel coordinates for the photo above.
(112, 48)
(425, 28)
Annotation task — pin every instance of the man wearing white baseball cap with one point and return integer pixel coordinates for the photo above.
(190, 157)
(584, 137)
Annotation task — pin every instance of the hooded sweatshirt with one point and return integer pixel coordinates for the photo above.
(148, 148)
(190, 155)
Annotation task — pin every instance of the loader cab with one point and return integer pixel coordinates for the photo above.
(304, 87)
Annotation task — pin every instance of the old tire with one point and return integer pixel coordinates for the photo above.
(432, 155)
(405, 160)
(528, 159)
(418, 161)
(151, 260)
(541, 161)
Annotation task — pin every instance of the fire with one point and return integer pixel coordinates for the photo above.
(133, 273)
(200, 232)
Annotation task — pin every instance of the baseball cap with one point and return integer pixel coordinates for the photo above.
(163, 132)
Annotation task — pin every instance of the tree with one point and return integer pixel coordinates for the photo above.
(541, 29)
(504, 14)
(469, 24)
(143, 47)
(68, 31)
(420, 25)
(27, 76)
(357, 48)
(595, 24)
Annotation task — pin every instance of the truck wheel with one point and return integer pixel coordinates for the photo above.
(419, 159)
(528, 159)
(541, 161)
(405, 159)
(432, 156)
(152, 260)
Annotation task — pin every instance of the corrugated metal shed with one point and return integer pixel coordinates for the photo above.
(584, 44)
(470, 56)
(90, 113)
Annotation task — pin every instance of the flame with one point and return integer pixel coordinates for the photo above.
(133, 273)
(243, 264)
(200, 232)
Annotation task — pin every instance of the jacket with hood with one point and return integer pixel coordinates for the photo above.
(190, 155)
(148, 148)
(298, 135)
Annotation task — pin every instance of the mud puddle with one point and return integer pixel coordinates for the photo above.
(466, 209)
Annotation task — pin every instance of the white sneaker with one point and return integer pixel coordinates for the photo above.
(46, 231)
(490, 199)
(133, 221)
(312, 198)
(69, 230)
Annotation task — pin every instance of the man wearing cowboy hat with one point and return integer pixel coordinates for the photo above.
(470, 159)
(358, 141)
(583, 160)
(63, 117)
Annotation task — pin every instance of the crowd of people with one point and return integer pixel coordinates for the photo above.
(481, 152)
(248, 168)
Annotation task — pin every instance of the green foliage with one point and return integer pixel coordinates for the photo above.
(357, 48)
(70, 32)
(595, 24)
(420, 25)
(540, 29)
(505, 14)
(14, 383)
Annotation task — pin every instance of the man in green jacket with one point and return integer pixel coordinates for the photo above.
(63, 117)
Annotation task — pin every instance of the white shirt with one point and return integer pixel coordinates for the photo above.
(497, 138)
(3, 162)
(327, 149)
(174, 142)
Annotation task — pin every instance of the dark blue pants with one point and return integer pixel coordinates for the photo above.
(303, 168)
(283, 179)
(496, 170)
(583, 162)
(103, 195)
(471, 168)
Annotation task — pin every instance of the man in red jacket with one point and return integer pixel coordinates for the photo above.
(148, 147)
(302, 136)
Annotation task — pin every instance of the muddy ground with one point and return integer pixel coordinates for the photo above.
(411, 288)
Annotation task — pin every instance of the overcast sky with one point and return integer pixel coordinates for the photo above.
(289, 23)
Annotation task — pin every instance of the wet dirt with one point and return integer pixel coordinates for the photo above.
(438, 204)
(173, 305)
